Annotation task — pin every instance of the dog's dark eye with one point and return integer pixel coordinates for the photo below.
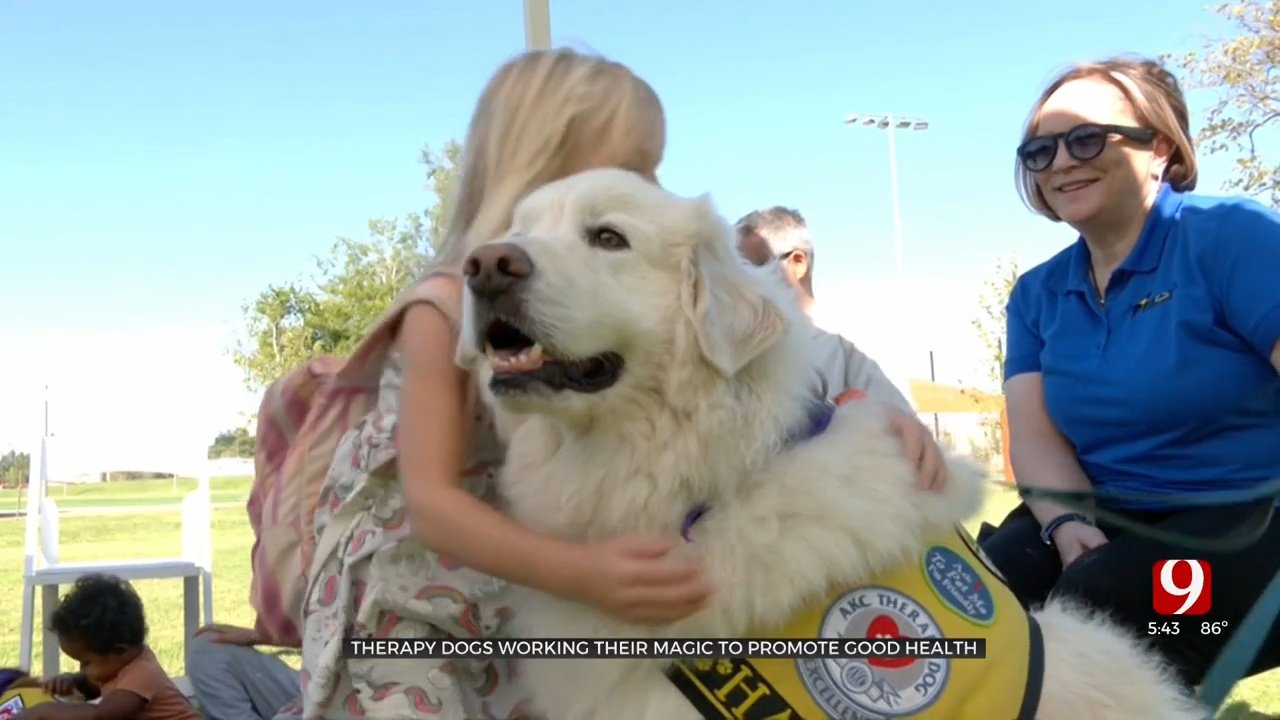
(606, 238)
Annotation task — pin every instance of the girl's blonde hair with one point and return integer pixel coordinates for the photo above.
(1158, 103)
(545, 115)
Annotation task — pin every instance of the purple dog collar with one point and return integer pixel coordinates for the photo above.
(694, 516)
(819, 419)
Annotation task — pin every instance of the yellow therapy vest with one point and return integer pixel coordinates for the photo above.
(950, 591)
(14, 700)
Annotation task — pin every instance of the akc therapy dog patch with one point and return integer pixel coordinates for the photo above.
(948, 592)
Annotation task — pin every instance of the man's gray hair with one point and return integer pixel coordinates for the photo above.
(781, 227)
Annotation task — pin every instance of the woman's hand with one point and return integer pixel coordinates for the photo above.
(1075, 538)
(636, 580)
(229, 634)
(920, 449)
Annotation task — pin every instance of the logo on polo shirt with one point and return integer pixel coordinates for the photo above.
(1151, 301)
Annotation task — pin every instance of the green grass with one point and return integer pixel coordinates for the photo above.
(154, 533)
(140, 535)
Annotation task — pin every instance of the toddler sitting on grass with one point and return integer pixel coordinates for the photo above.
(101, 624)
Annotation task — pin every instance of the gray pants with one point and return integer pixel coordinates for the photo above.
(233, 682)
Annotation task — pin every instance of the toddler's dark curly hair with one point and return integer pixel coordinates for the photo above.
(102, 612)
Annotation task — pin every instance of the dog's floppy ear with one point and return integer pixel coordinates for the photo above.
(732, 320)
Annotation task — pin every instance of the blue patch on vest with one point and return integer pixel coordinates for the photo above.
(958, 585)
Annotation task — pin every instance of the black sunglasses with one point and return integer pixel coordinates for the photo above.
(1083, 142)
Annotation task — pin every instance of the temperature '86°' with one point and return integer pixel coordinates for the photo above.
(1213, 628)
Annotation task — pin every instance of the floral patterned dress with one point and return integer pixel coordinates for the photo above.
(372, 578)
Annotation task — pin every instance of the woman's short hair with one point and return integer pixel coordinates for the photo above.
(545, 115)
(1157, 102)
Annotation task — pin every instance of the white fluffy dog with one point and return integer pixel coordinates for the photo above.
(652, 372)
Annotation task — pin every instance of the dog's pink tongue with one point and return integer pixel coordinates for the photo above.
(525, 361)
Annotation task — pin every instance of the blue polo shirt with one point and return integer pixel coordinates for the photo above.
(1168, 388)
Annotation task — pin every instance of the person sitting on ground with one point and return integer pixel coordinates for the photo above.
(1142, 361)
(231, 677)
(101, 624)
(234, 680)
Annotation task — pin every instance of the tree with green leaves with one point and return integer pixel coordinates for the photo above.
(991, 320)
(1243, 72)
(15, 469)
(442, 180)
(990, 326)
(289, 323)
(237, 443)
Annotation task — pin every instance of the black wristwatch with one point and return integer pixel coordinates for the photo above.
(1046, 533)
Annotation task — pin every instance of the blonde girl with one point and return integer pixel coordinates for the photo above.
(408, 541)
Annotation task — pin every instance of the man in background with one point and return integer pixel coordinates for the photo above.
(779, 234)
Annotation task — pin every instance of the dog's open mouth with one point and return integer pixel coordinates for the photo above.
(519, 363)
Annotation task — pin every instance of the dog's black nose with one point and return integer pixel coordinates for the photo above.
(496, 268)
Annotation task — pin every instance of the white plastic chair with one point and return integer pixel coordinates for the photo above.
(42, 569)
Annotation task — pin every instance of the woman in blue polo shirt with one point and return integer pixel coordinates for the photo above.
(1143, 360)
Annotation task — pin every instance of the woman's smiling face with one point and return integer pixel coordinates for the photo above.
(1125, 173)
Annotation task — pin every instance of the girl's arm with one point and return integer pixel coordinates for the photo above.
(632, 577)
(433, 428)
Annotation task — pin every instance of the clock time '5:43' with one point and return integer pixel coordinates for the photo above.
(1166, 627)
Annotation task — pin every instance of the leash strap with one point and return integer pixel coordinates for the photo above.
(1236, 657)
(1035, 671)
(1270, 488)
(1235, 540)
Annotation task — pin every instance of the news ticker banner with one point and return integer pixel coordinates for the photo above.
(679, 649)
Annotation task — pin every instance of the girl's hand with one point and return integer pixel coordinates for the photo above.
(920, 449)
(636, 580)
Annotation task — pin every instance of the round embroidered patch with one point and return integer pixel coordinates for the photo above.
(885, 687)
(959, 585)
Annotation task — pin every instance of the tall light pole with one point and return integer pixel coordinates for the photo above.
(891, 123)
(537, 25)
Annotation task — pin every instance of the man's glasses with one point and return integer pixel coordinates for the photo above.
(1083, 142)
(762, 260)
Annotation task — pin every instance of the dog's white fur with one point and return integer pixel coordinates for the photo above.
(716, 372)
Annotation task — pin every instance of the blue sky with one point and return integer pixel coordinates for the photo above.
(162, 162)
